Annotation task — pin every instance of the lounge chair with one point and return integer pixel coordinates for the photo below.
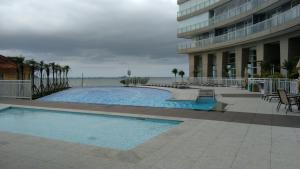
(270, 96)
(288, 101)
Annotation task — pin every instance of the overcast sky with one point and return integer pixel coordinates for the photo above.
(97, 37)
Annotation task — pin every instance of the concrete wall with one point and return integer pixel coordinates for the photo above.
(238, 62)
(191, 65)
(245, 58)
(220, 63)
(284, 53)
(259, 56)
(205, 64)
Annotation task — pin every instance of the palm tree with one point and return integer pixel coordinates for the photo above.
(53, 72)
(289, 65)
(56, 75)
(47, 69)
(175, 71)
(59, 71)
(57, 67)
(67, 68)
(181, 73)
(41, 68)
(63, 75)
(33, 65)
(129, 73)
(266, 67)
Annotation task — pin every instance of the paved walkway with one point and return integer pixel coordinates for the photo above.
(237, 100)
(212, 141)
(259, 139)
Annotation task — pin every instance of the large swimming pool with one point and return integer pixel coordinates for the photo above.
(127, 96)
(108, 131)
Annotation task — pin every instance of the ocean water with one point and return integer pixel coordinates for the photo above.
(108, 131)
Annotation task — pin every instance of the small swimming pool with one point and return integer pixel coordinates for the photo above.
(127, 96)
(108, 131)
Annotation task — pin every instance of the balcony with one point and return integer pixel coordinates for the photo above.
(181, 1)
(221, 18)
(195, 8)
(254, 31)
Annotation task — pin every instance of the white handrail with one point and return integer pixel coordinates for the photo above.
(210, 81)
(223, 16)
(196, 7)
(270, 85)
(15, 89)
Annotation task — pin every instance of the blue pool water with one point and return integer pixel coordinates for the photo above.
(127, 96)
(115, 132)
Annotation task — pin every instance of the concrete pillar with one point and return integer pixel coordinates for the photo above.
(191, 65)
(238, 62)
(220, 65)
(259, 56)
(205, 65)
(245, 54)
(284, 53)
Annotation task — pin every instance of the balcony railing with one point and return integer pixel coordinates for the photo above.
(196, 7)
(276, 20)
(223, 16)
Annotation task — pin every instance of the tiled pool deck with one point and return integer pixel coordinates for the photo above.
(206, 140)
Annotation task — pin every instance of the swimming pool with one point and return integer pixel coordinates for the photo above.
(108, 131)
(127, 96)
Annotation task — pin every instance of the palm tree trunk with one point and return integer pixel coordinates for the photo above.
(48, 79)
(41, 80)
(56, 79)
(53, 71)
(67, 78)
(32, 79)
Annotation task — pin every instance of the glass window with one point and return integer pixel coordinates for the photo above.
(193, 23)
(1, 76)
(214, 71)
(231, 65)
(252, 62)
(198, 67)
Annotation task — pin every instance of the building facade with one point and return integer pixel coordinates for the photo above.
(9, 70)
(238, 38)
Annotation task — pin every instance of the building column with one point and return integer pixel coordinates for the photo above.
(191, 65)
(205, 65)
(220, 65)
(245, 54)
(259, 57)
(284, 53)
(238, 62)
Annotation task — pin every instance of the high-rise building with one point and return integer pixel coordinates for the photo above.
(238, 38)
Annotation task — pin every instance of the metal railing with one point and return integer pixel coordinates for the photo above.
(250, 5)
(277, 20)
(221, 82)
(15, 89)
(270, 85)
(196, 7)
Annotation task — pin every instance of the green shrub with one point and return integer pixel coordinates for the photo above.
(135, 81)
(276, 75)
(294, 75)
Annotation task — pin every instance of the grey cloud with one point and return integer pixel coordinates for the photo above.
(92, 31)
